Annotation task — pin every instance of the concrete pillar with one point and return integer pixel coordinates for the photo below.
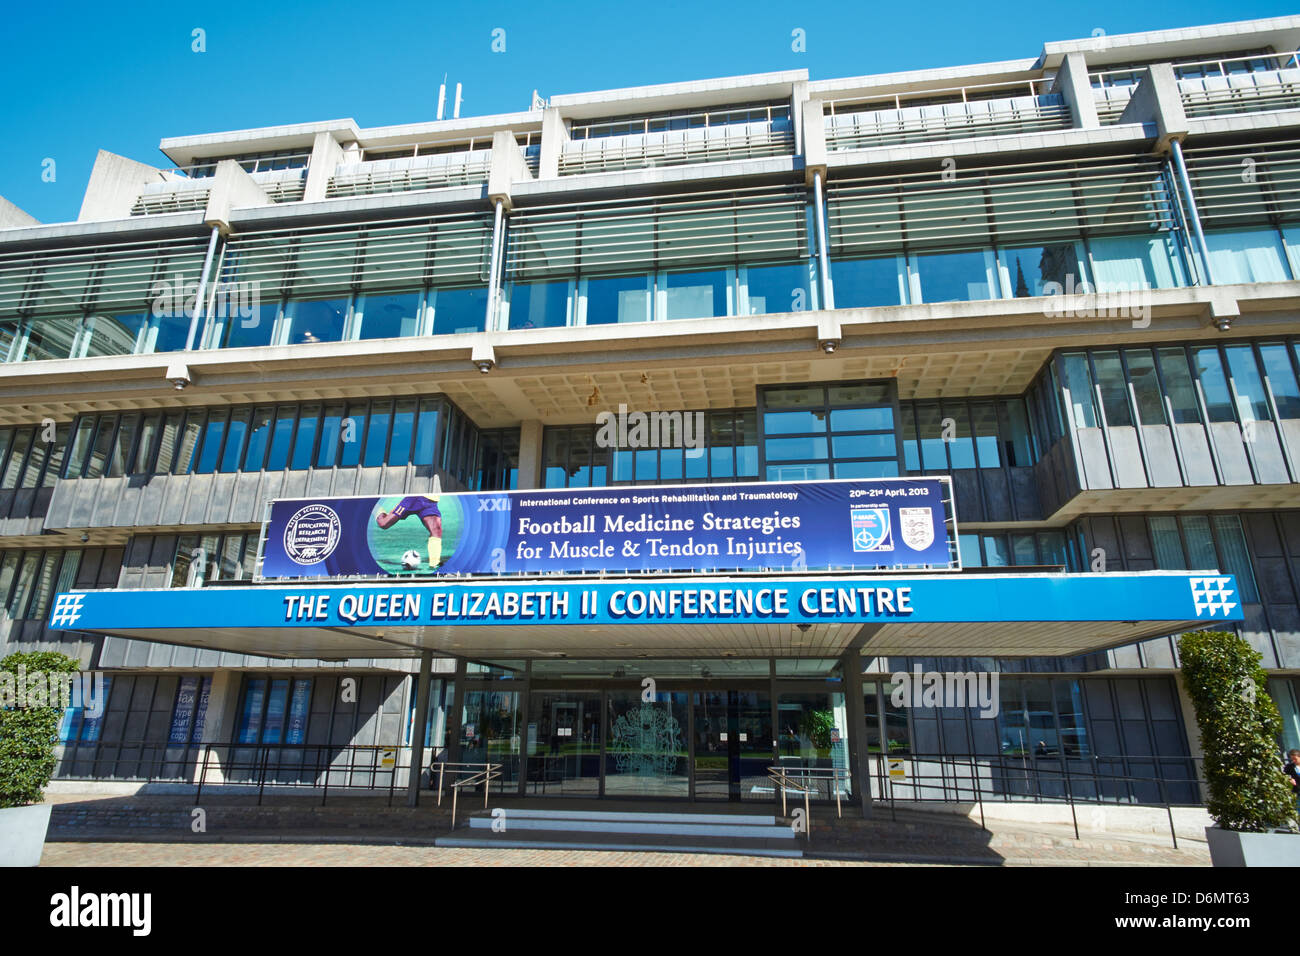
(530, 454)
(11, 215)
(1156, 100)
(219, 721)
(798, 97)
(811, 119)
(326, 154)
(231, 187)
(507, 167)
(1074, 86)
(859, 760)
(419, 726)
(115, 184)
(554, 138)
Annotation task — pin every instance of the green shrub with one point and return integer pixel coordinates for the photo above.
(1239, 726)
(28, 734)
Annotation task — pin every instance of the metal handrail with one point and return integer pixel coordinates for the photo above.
(785, 780)
(490, 772)
(867, 104)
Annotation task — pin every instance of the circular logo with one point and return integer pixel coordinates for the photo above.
(312, 534)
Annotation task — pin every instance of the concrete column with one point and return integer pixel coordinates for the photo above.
(798, 96)
(811, 120)
(326, 154)
(231, 187)
(1074, 86)
(530, 454)
(419, 726)
(554, 137)
(507, 167)
(220, 719)
(1156, 100)
(859, 762)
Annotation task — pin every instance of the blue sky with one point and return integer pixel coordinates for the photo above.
(78, 77)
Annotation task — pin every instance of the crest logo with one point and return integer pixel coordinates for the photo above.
(917, 527)
(312, 534)
(871, 531)
(1212, 595)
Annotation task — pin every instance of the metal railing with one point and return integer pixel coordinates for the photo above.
(1000, 778)
(1240, 93)
(802, 781)
(969, 112)
(490, 772)
(677, 147)
(428, 171)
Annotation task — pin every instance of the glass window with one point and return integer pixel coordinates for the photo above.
(189, 443)
(1178, 386)
(777, 289)
(694, 295)
(249, 729)
(995, 551)
(304, 442)
(17, 458)
(1129, 263)
(80, 445)
(458, 310)
(984, 427)
(866, 446)
(934, 450)
(212, 435)
(952, 276)
(618, 299)
(867, 469)
(50, 339)
(788, 423)
(388, 316)
(167, 443)
(143, 464)
(237, 431)
(1167, 544)
(961, 446)
(113, 334)
(1079, 383)
(54, 466)
(862, 283)
(1218, 400)
(862, 419)
(1023, 549)
(381, 414)
(1281, 378)
(911, 449)
(1234, 558)
(316, 320)
(331, 429)
(258, 436)
(1146, 386)
(426, 433)
(539, 305)
(1042, 270)
(399, 452)
(123, 445)
(1018, 440)
(779, 449)
(1114, 391)
(1252, 403)
(251, 331)
(281, 437)
(1254, 255)
(353, 432)
(102, 447)
(1200, 543)
(171, 333)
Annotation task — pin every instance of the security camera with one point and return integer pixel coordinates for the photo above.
(179, 376)
(484, 365)
(829, 345)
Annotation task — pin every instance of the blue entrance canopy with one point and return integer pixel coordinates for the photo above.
(971, 614)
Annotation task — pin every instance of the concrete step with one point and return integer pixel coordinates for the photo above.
(618, 841)
(529, 813)
(675, 828)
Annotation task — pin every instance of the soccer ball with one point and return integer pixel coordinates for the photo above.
(411, 560)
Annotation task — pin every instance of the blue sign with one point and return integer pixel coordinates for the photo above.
(296, 733)
(1142, 596)
(187, 696)
(850, 525)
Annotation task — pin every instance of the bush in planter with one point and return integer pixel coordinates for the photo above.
(28, 734)
(1239, 726)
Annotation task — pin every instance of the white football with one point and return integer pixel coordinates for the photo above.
(411, 560)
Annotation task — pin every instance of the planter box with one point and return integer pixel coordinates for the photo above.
(22, 834)
(1230, 848)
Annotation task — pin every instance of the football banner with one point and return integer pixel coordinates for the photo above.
(849, 525)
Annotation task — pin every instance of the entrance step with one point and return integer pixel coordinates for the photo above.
(746, 834)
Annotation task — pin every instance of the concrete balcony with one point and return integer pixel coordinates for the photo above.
(411, 173)
(1240, 93)
(678, 147)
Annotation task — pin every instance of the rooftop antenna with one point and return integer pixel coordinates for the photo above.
(455, 110)
(442, 96)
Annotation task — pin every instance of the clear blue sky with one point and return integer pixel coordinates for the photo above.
(77, 77)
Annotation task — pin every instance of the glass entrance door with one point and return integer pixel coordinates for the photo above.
(647, 745)
(564, 743)
(733, 744)
(489, 733)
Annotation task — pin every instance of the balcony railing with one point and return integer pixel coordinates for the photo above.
(1025, 107)
(1225, 91)
(1111, 91)
(410, 173)
(695, 142)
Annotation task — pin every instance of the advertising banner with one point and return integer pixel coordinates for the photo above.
(851, 525)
